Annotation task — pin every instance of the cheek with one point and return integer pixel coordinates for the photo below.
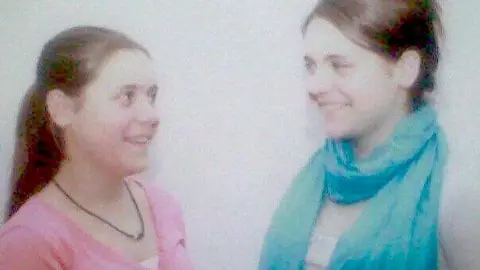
(367, 95)
(370, 89)
(111, 130)
(101, 128)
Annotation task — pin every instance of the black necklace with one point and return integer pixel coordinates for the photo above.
(136, 237)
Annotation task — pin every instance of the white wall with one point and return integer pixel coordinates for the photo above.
(235, 121)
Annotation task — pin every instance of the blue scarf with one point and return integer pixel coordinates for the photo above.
(398, 228)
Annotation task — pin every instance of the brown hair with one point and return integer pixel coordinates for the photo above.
(389, 27)
(68, 62)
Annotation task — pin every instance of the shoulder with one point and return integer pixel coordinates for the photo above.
(17, 235)
(31, 248)
(166, 213)
(33, 216)
(33, 235)
(37, 216)
(163, 204)
(159, 198)
(459, 219)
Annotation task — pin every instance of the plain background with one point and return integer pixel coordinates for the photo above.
(236, 122)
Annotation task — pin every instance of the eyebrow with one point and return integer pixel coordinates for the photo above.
(328, 57)
(135, 87)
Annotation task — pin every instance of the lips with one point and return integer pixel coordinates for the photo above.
(333, 106)
(328, 105)
(139, 140)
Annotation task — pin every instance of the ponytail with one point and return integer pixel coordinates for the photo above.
(37, 156)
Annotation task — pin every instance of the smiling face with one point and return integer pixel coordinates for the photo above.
(355, 88)
(115, 119)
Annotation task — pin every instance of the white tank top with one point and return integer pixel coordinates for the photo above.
(151, 263)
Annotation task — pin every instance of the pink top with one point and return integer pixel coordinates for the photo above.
(40, 237)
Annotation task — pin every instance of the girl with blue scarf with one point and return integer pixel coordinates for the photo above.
(369, 198)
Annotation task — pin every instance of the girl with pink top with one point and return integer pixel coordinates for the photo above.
(82, 135)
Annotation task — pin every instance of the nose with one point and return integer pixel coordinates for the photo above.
(319, 82)
(147, 113)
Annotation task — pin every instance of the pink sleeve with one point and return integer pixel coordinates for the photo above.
(22, 248)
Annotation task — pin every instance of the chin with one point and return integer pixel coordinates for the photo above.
(136, 168)
(337, 133)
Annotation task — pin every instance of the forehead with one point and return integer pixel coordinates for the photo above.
(322, 38)
(126, 67)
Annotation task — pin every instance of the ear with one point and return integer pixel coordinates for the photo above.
(61, 108)
(407, 69)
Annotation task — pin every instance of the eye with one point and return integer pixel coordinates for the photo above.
(127, 98)
(310, 65)
(338, 65)
(152, 94)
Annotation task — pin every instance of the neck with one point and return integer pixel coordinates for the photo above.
(90, 184)
(366, 144)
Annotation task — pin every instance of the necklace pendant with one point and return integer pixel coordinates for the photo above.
(139, 236)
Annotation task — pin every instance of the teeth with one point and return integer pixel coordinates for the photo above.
(140, 140)
(333, 106)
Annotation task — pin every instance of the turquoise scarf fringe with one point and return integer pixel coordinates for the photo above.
(398, 229)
